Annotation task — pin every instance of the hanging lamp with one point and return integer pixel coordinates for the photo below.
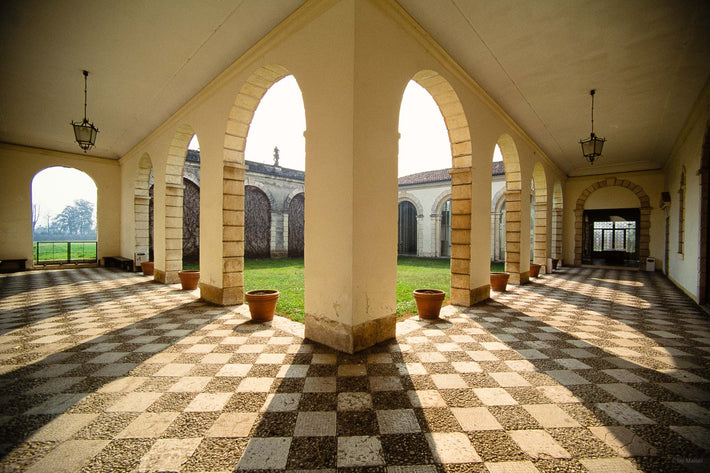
(592, 146)
(85, 131)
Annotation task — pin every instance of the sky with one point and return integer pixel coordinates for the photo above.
(280, 120)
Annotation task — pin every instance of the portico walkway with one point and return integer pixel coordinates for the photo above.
(582, 370)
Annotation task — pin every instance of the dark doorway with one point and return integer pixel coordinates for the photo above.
(296, 212)
(446, 229)
(611, 237)
(257, 223)
(407, 228)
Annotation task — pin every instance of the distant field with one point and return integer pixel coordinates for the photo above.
(57, 251)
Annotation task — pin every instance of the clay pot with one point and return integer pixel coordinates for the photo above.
(535, 270)
(262, 304)
(189, 279)
(147, 267)
(554, 263)
(499, 281)
(429, 302)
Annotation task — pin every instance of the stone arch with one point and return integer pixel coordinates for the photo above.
(235, 137)
(408, 241)
(296, 224)
(419, 210)
(460, 138)
(298, 190)
(557, 207)
(645, 211)
(414, 200)
(257, 222)
(264, 189)
(141, 205)
(540, 223)
(498, 226)
(441, 224)
(513, 208)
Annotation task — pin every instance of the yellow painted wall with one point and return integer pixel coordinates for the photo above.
(19, 165)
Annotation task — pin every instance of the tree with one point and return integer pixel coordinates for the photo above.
(76, 219)
(35, 216)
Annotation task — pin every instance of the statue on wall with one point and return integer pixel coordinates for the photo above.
(276, 156)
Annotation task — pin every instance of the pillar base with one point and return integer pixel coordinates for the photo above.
(347, 338)
(166, 277)
(480, 294)
(222, 295)
(519, 278)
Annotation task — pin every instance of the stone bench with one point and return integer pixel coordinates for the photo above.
(118, 262)
(12, 265)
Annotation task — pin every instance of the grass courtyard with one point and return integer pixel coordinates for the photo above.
(286, 275)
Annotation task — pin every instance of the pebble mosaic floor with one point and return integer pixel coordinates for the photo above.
(581, 371)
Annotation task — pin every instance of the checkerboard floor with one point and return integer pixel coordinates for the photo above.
(582, 370)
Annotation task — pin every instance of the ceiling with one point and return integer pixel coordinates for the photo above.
(648, 59)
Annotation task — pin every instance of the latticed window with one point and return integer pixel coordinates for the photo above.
(681, 212)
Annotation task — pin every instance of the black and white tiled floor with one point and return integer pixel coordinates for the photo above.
(583, 370)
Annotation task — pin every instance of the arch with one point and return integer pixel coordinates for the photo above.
(539, 248)
(264, 189)
(557, 208)
(513, 203)
(407, 228)
(441, 220)
(141, 206)
(405, 196)
(257, 223)
(235, 137)
(298, 190)
(73, 223)
(457, 128)
(645, 214)
(296, 223)
(498, 226)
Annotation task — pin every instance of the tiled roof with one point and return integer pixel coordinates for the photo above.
(441, 175)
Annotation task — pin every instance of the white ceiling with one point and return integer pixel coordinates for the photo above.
(648, 60)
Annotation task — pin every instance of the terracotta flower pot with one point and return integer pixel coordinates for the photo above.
(189, 279)
(535, 270)
(147, 267)
(499, 281)
(554, 263)
(429, 302)
(262, 304)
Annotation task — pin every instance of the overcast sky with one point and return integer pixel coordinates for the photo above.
(280, 121)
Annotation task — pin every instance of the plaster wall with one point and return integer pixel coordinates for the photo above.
(683, 269)
(19, 165)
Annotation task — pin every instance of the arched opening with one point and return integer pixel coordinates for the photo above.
(538, 216)
(234, 219)
(513, 214)
(63, 217)
(296, 223)
(257, 223)
(407, 229)
(497, 212)
(704, 283)
(191, 207)
(449, 119)
(612, 218)
(142, 210)
(444, 234)
(557, 221)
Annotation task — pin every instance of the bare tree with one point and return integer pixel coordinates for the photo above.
(35, 216)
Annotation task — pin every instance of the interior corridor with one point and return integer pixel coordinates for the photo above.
(581, 370)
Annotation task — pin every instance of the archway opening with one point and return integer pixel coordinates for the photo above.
(64, 217)
(513, 201)
(557, 221)
(143, 210)
(191, 206)
(498, 212)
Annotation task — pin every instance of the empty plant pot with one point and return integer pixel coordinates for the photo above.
(429, 302)
(262, 304)
(147, 267)
(534, 270)
(499, 281)
(189, 279)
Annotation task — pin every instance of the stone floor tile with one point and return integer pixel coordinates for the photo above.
(134, 402)
(551, 415)
(57, 404)
(190, 384)
(281, 402)
(451, 447)
(62, 428)
(397, 421)
(449, 381)
(567, 377)
(168, 454)
(624, 392)
(233, 424)
(697, 434)
(325, 384)
(354, 401)
(624, 442)
(624, 414)
(511, 467)
(476, 418)
(315, 424)
(255, 385)
(427, 398)
(538, 444)
(608, 465)
(509, 379)
(691, 410)
(359, 451)
(494, 396)
(68, 457)
(148, 424)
